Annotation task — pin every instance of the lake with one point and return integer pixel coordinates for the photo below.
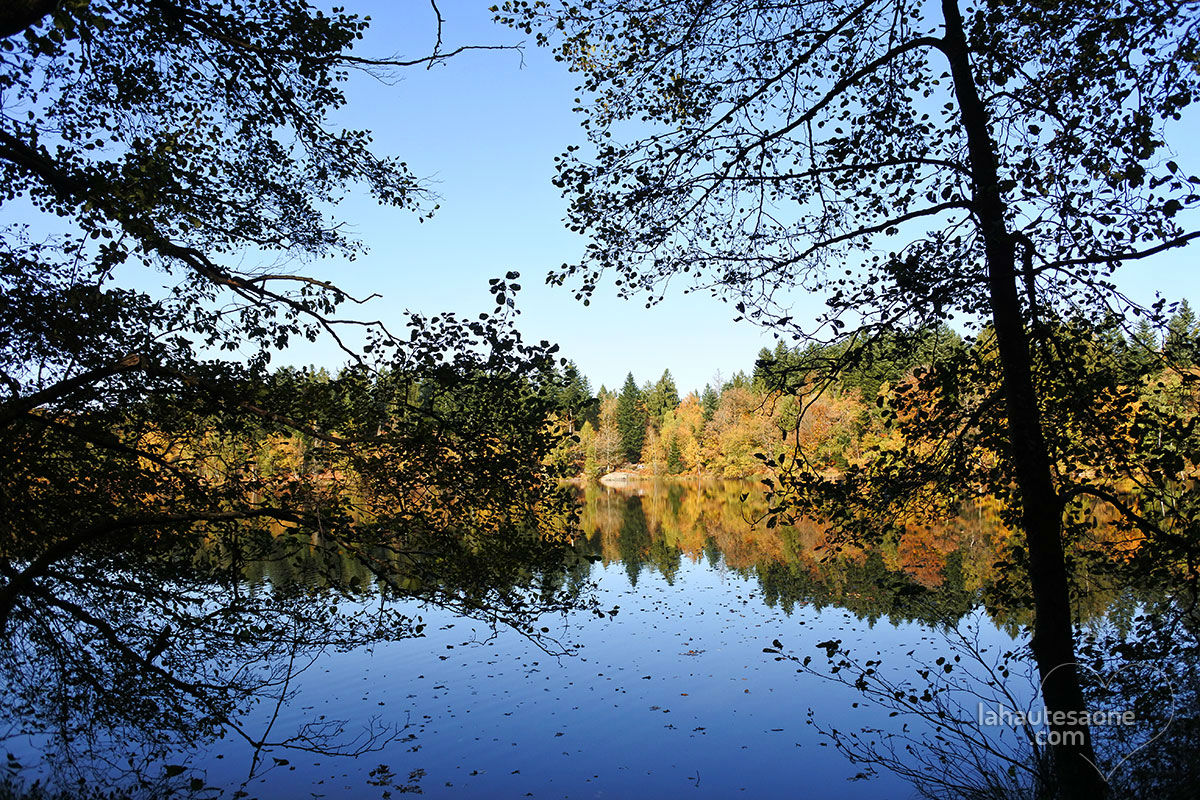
(653, 682)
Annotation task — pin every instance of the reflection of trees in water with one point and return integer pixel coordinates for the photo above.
(929, 573)
(118, 663)
(665, 523)
(633, 540)
(1140, 650)
(1147, 661)
(125, 655)
(951, 741)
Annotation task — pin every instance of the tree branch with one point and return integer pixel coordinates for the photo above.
(17, 15)
(1120, 505)
(73, 189)
(842, 85)
(23, 581)
(20, 406)
(868, 230)
(1111, 258)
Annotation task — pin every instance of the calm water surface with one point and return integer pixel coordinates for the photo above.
(671, 696)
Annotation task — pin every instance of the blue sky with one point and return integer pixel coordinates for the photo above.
(483, 130)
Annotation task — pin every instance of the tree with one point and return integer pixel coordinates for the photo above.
(575, 398)
(151, 452)
(587, 443)
(1143, 356)
(709, 401)
(686, 431)
(631, 419)
(739, 430)
(662, 398)
(609, 448)
(1011, 159)
(738, 381)
(1183, 336)
(653, 456)
(675, 462)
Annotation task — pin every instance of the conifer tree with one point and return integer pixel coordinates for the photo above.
(1183, 337)
(662, 398)
(709, 401)
(631, 419)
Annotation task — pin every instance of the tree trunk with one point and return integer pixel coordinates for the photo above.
(1041, 509)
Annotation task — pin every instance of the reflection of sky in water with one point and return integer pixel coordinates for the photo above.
(671, 698)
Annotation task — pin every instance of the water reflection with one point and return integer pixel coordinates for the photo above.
(931, 574)
(140, 672)
(938, 576)
(116, 665)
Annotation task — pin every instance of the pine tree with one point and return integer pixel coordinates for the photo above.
(575, 399)
(662, 399)
(631, 419)
(738, 381)
(1182, 340)
(765, 368)
(709, 401)
(1142, 350)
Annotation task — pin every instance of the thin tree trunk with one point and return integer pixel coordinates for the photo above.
(1041, 509)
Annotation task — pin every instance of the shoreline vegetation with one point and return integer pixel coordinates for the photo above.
(732, 428)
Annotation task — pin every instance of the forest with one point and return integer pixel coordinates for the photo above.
(773, 407)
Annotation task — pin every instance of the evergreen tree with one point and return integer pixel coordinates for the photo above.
(765, 366)
(1183, 338)
(709, 401)
(1110, 342)
(738, 381)
(1142, 350)
(575, 399)
(631, 419)
(674, 456)
(662, 398)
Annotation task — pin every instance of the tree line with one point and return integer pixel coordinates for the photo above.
(722, 430)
